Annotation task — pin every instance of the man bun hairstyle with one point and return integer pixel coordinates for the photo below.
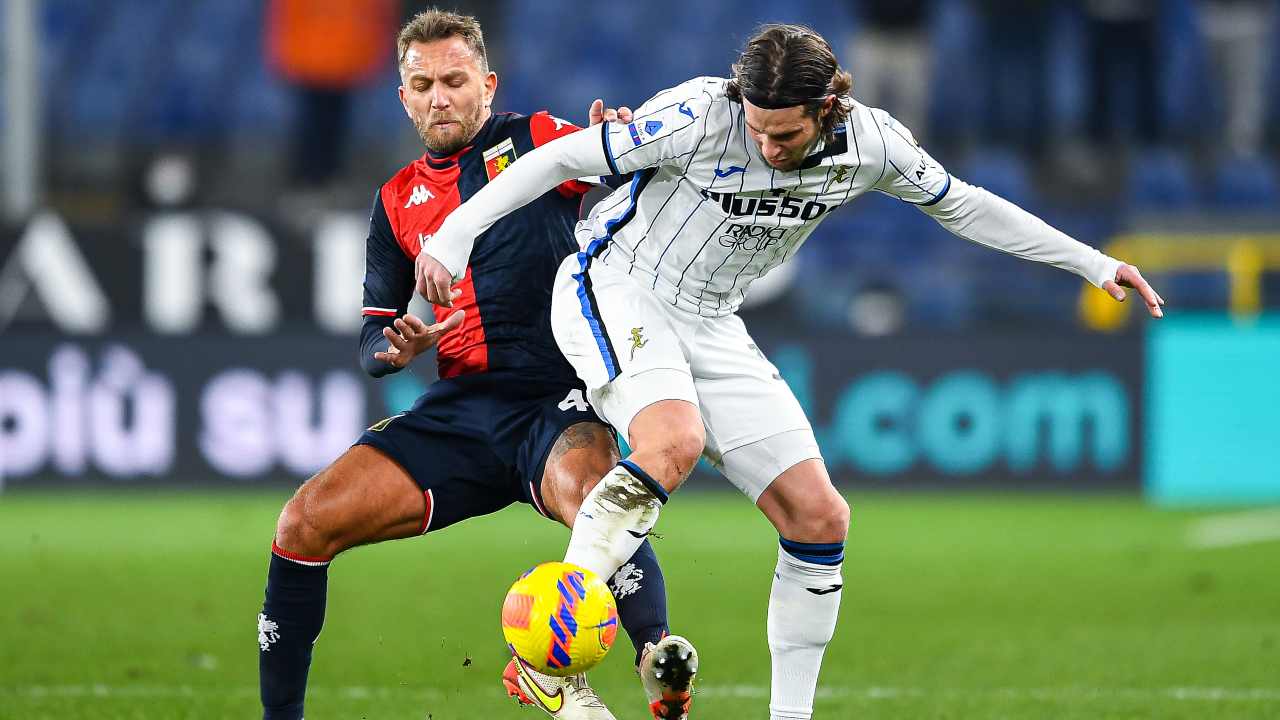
(431, 25)
(784, 66)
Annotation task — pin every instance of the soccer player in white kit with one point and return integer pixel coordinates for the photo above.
(730, 177)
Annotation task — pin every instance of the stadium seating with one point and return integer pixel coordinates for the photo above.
(1161, 180)
(1003, 173)
(1246, 183)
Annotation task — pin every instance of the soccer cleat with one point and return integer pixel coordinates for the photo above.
(567, 698)
(666, 671)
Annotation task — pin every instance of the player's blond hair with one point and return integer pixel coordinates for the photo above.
(789, 65)
(430, 25)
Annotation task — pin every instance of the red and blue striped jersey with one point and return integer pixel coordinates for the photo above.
(507, 288)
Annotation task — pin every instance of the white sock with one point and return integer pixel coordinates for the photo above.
(803, 606)
(614, 519)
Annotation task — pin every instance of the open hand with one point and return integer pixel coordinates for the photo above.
(1129, 277)
(599, 113)
(412, 337)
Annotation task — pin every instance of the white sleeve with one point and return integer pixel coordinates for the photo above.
(907, 172)
(987, 219)
(565, 158)
(977, 215)
(664, 129)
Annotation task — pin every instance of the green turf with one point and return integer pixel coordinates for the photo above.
(144, 606)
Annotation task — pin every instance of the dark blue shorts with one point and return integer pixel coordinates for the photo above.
(477, 443)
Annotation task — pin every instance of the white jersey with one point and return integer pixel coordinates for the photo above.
(706, 215)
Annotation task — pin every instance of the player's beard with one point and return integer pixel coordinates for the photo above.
(449, 139)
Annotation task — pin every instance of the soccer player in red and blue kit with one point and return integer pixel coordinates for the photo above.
(506, 422)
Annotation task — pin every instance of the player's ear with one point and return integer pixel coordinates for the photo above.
(490, 87)
(404, 103)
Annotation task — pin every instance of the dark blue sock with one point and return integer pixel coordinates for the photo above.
(291, 618)
(641, 593)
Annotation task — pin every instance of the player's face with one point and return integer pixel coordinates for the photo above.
(784, 136)
(445, 92)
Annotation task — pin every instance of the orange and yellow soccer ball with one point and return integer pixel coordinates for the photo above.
(560, 618)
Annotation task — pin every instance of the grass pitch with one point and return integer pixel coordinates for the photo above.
(144, 606)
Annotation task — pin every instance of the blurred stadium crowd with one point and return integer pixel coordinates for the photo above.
(1105, 117)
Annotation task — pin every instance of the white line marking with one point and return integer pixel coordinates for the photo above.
(361, 692)
(1243, 528)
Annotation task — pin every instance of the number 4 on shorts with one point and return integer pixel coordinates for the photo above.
(574, 401)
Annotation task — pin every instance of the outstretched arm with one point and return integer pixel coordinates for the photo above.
(662, 130)
(987, 219)
(444, 256)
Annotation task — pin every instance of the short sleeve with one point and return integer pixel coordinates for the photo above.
(664, 129)
(910, 174)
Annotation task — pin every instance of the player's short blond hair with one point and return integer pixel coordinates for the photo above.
(433, 24)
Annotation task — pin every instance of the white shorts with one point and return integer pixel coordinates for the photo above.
(631, 350)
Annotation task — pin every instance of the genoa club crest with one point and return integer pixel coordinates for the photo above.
(498, 157)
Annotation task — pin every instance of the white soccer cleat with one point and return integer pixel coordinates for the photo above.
(666, 671)
(567, 698)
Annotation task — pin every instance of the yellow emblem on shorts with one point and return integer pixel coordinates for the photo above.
(637, 340)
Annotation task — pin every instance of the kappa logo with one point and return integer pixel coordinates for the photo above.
(551, 702)
(637, 340)
(419, 195)
(268, 632)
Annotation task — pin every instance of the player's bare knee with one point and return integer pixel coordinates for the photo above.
(300, 529)
(836, 519)
(824, 520)
(293, 532)
(682, 447)
(580, 458)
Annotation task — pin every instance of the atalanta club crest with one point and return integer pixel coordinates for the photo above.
(498, 157)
